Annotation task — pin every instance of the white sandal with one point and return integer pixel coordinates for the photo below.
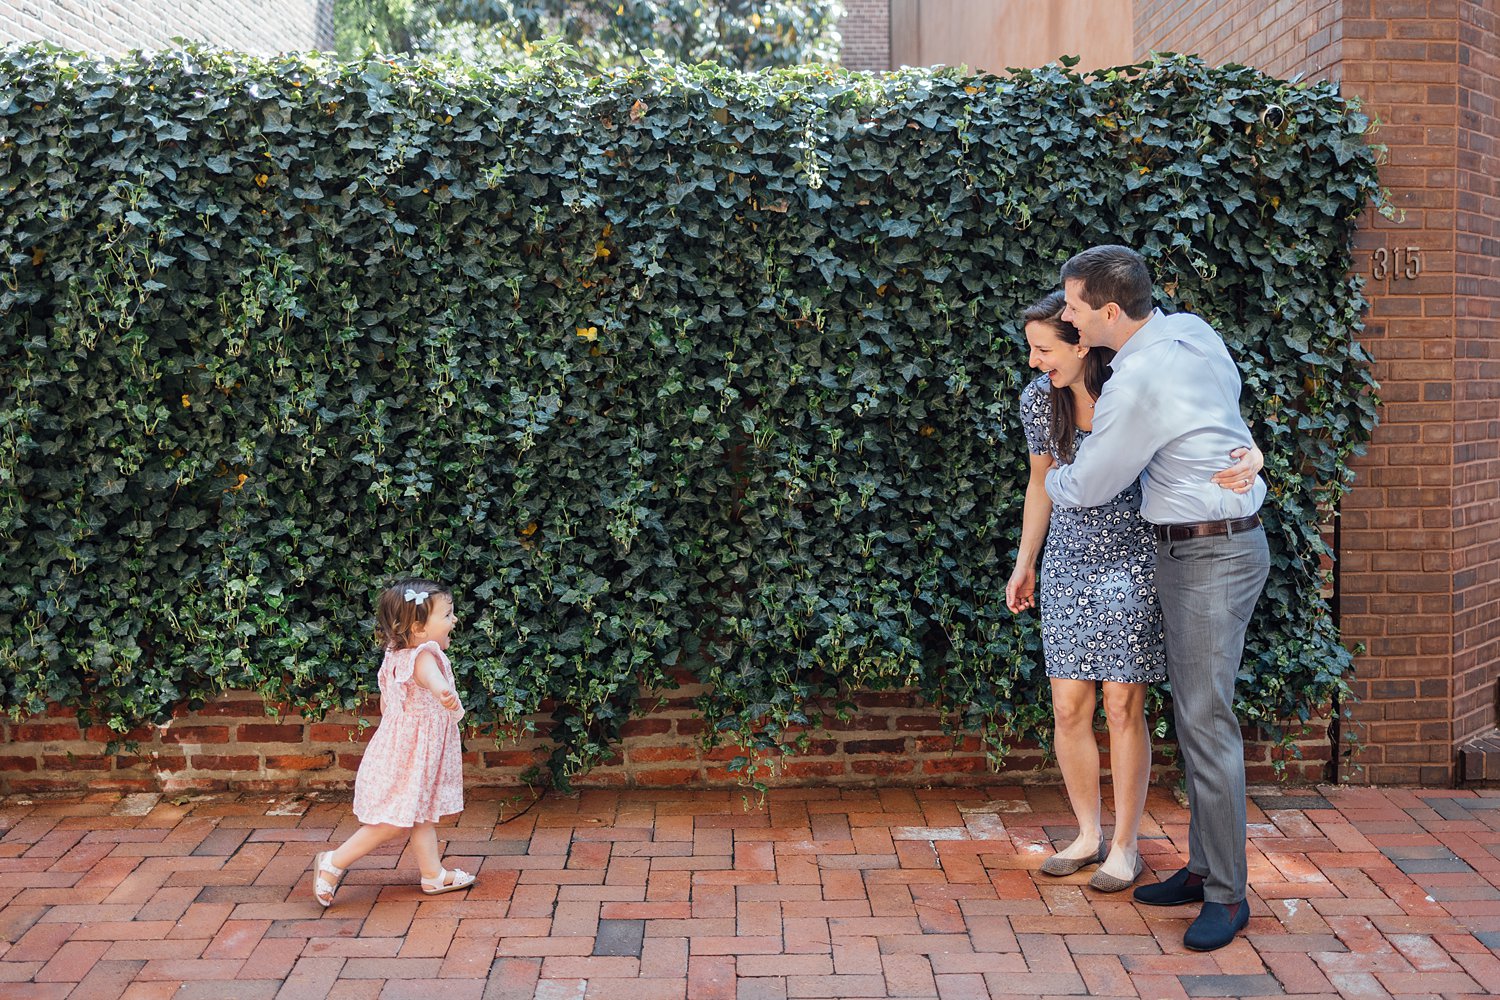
(323, 888)
(447, 881)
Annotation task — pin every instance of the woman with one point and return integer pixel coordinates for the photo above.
(1101, 623)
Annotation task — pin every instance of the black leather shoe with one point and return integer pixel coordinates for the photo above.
(1182, 887)
(1217, 925)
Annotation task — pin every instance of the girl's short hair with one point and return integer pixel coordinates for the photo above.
(403, 606)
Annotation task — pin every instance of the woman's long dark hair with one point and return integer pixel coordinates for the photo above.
(1096, 371)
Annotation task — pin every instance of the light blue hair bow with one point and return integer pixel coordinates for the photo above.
(416, 596)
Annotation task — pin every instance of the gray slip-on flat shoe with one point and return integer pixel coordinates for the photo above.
(1059, 867)
(1105, 882)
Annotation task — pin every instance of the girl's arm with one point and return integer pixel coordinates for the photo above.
(1020, 592)
(429, 674)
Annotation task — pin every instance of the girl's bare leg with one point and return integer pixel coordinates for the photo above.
(365, 840)
(424, 847)
(1078, 757)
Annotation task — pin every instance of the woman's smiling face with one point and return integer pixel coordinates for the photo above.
(1061, 361)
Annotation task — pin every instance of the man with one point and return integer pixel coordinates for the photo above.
(1169, 414)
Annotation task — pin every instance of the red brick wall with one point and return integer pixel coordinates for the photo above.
(1282, 37)
(112, 27)
(1476, 389)
(1419, 555)
(1398, 572)
(231, 743)
(866, 27)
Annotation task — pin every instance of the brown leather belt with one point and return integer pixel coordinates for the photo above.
(1202, 529)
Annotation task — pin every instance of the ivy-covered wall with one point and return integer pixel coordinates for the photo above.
(676, 369)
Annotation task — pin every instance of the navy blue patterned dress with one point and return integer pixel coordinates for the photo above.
(1101, 620)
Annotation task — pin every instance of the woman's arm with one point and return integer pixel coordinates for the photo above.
(430, 676)
(1020, 592)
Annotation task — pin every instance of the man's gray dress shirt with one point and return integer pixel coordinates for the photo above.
(1170, 415)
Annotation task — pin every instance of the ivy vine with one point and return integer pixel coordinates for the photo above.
(674, 369)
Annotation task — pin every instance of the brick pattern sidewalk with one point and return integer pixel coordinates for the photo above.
(1356, 893)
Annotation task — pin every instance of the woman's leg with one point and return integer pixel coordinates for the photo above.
(365, 840)
(1130, 772)
(1078, 757)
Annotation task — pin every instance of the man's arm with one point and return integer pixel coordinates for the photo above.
(1124, 438)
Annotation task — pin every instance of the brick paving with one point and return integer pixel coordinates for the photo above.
(638, 895)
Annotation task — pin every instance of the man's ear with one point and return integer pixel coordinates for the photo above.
(1112, 311)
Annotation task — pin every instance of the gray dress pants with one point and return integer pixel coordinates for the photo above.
(1208, 589)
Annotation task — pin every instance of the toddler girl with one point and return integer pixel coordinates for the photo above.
(411, 772)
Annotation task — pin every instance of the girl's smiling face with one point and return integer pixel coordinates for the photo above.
(1061, 361)
(439, 624)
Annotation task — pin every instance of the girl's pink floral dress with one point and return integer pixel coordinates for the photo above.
(412, 771)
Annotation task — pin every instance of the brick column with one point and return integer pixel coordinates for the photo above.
(113, 28)
(866, 30)
(1476, 431)
(1282, 37)
(1419, 552)
(1397, 573)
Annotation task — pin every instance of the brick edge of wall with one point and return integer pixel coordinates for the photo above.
(235, 744)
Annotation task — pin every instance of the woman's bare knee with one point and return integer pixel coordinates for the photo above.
(1124, 704)
(1073, 704)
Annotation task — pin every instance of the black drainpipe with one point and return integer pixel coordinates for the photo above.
(1336, 723)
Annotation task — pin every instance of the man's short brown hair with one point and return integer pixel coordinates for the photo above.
(1112, 273)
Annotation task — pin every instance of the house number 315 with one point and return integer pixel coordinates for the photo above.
(1402, 262)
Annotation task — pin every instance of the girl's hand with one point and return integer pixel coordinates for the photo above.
(1240, 476)
(1020, 592)
(449, 698)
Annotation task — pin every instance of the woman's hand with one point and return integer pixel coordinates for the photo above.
(1240, 476)
(1020, 592)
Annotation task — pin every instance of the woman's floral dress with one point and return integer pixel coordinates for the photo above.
(1101, 620)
